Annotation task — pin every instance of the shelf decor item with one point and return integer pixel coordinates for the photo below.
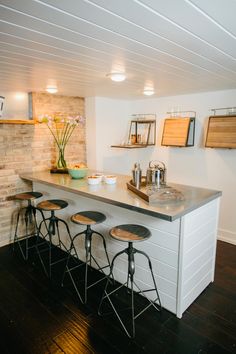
(61, 126)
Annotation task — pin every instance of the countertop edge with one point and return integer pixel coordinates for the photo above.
(124, 205)
(101, 199)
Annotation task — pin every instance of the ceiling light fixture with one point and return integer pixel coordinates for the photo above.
(148, 91)
(51, 89)
(118, 77)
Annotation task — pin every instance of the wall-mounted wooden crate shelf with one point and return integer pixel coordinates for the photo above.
(178, 131)
(142, 132)
(221, 132)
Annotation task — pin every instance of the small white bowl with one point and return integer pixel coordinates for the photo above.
(110, 179)
(99, 175)
(94, 179)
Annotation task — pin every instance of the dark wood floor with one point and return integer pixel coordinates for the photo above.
(37, 316)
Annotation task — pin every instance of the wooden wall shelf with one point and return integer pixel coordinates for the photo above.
(221, 132)
(17, 121)
(134, 146)
(142, 132)
(178, 132)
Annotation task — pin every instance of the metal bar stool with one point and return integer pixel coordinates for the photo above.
(52, 231)
(86, 218)
(28, 213)
(130, 233)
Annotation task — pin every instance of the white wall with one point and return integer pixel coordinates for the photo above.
(198, 166)
(106, 124)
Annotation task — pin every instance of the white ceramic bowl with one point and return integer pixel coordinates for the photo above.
(94, 179)
(110, 179)
(99, 175)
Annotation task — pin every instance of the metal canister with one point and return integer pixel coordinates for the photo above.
(137, 175)
(156, 174)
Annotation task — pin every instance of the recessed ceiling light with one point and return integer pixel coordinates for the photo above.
(118, 77)
(20, 96)
(51, 89)
(148, 91)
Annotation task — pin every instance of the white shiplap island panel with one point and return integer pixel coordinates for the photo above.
(182, 250)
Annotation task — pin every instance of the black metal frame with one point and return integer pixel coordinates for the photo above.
(73, 254)
(52, 230)
(130, 251)
(29, 214)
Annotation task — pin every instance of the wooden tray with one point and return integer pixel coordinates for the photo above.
(140, 192)
(58, 170)
(162, 195)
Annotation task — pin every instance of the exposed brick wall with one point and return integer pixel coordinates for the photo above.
(26, 148)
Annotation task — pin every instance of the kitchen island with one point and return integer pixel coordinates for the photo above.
(183, 243)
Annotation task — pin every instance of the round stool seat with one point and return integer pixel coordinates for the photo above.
(28, 195)
(52, 204)
(130, 233)
(88, 218)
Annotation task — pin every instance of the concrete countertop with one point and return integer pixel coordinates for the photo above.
(118, 194)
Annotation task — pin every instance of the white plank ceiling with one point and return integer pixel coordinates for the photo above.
(174, 46)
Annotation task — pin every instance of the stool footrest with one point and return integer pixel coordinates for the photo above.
(94, 217)
(24, 237)
(58, 261)
(107, 295)
(130, 233)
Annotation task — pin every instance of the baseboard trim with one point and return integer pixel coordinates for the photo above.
(5, 243)
(227, 236)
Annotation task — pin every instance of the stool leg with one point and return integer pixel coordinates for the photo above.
(131, 271)
(153, 279)
(54, 230)
(68, 269)
(88, 235)
(28, 218)
(16, 229)
(105, 295)
(51, 232)
(67, 229)
(50, 255)
(104, 245)
(88, 258)
(38, 226)
(72, 247)
(132, 306)
(44, 221)
(27, 212)
(131, 264)
(16, 240)
(130, 251)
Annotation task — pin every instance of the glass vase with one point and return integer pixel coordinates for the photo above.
(61, 162)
